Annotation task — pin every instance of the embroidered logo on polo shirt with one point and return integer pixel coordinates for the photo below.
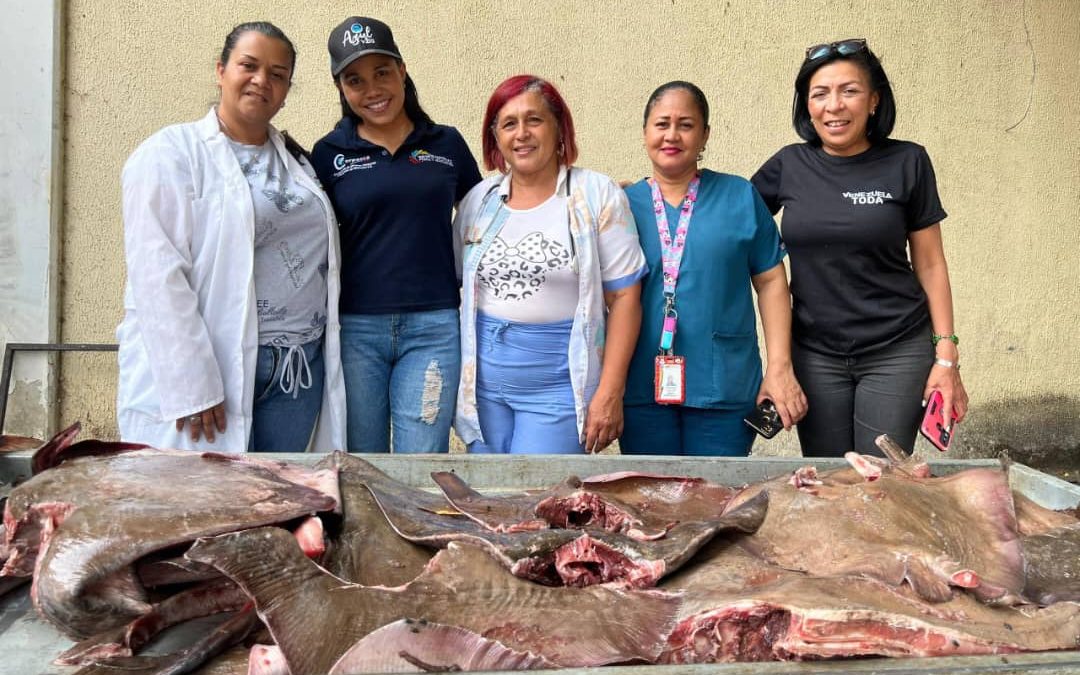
(421, 156)
(343, 164)
(871, 197)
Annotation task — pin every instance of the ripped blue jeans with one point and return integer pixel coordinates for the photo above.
(401, 373)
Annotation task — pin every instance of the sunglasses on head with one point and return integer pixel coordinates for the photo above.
(841, 47)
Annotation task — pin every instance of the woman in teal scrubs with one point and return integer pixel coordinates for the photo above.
(697, 353)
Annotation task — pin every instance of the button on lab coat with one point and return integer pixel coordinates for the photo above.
(189, 337)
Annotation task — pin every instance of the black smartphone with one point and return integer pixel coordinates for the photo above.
(765, 420)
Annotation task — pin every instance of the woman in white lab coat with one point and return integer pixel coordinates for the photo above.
(230, 334)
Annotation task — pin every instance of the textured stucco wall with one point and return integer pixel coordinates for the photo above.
(988, 87)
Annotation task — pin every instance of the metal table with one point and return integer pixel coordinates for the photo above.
(28, 644)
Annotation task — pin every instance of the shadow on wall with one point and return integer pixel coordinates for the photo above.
(1040, 431)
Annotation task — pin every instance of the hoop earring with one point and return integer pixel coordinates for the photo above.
(701, 155)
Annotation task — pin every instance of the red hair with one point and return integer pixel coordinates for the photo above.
(515, 86)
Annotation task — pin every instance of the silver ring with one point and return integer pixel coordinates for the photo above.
(194, 419)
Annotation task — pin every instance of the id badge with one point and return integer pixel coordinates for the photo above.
(669, 379)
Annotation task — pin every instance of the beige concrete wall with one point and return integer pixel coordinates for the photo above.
(989, 87)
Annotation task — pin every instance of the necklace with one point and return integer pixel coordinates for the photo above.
(229, 132)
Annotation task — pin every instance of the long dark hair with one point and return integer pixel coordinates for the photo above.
(264, 27)
(413, 109)
(880, 124)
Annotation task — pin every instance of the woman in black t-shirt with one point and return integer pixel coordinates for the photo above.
(872, 329)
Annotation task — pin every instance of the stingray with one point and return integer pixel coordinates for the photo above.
(639, 505)
(936, 533)
(558, 556)
(316, 617)
(83, 525)
(738, 607)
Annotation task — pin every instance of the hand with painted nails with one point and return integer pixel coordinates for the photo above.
(946, 379)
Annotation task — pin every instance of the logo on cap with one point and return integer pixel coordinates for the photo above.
(358, 34)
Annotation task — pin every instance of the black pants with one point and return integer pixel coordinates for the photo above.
(852, 400)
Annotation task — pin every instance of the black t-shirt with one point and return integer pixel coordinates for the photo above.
(845, 224)
(395, 213)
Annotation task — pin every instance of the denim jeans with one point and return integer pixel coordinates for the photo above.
(282, 422)
(654, 429)
(401, 372)
(852, 400)
(524, 398)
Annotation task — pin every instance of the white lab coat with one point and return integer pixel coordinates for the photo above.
(189, 337)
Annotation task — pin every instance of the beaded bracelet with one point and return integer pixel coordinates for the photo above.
(951, 338)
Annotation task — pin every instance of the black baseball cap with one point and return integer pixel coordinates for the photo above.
(359, 36)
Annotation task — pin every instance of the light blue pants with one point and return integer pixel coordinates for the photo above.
(282, 422)
(523, 393)
(401, 371)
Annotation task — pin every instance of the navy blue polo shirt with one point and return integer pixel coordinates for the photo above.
(395, 213)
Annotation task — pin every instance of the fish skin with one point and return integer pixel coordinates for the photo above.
(408, 646)
(1032, 518)
(503, 513)
(1053, 565)
(303, 604)
(414, 515)
(367, 550)
(541, 555)
(936, 533)
(187, 660)
(232, 661)
(220, 595)
(266, 660)
(49, 454)
(99, 515)
(8, 584)
(640, 505)
(810, 617)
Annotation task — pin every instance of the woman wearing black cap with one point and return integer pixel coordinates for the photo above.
(394, 177)
(872, 328)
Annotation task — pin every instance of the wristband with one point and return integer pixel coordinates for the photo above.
(951, 338)
(944, 363)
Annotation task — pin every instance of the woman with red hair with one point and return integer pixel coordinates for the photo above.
(550, 270)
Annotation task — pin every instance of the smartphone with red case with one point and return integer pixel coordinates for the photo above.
(933, 423)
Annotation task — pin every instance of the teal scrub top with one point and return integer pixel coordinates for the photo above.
(732, 237)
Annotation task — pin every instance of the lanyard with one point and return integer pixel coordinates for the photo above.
(671, 251)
